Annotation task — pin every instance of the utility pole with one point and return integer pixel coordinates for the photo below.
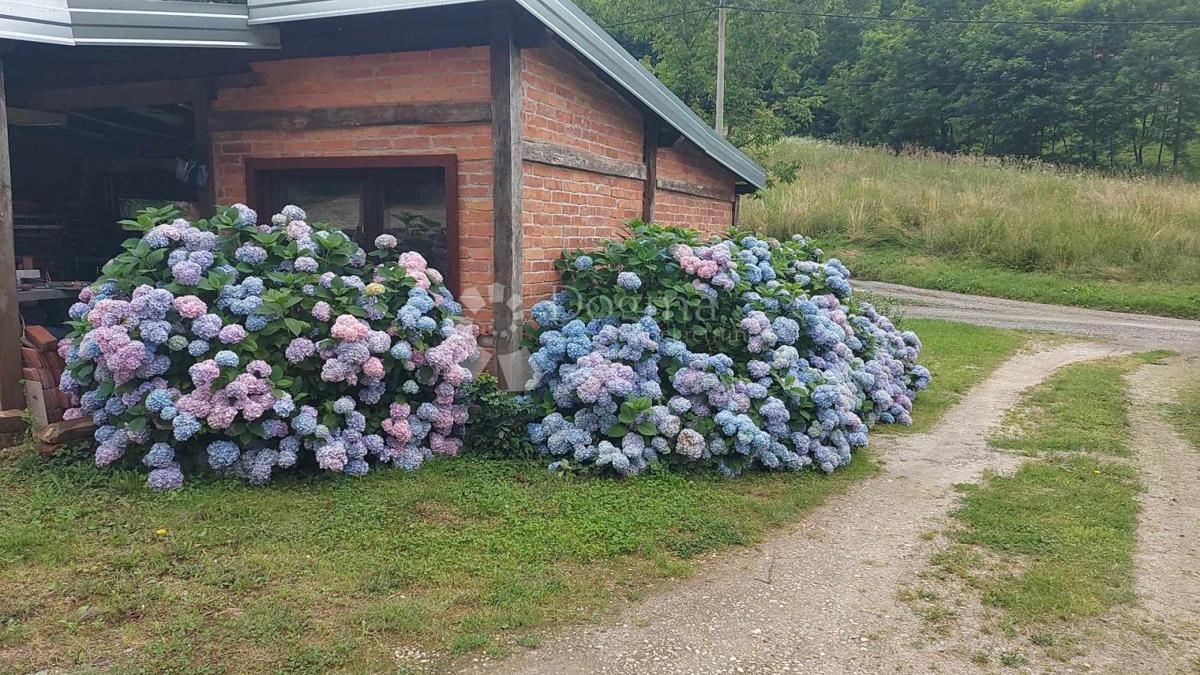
(721, 12)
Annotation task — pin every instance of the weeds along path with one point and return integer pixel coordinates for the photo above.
(821, 596)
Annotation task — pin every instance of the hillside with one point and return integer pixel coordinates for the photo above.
(982, 225)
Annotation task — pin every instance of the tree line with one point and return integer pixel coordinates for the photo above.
(1111, 84)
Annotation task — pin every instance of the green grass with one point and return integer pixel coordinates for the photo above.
(336, 573)
(959, 355)
(981, 225)
(1081, 408)
(1068, 526)
(1185, 414)
(330, 573)
(901, 266)
(1053, 543)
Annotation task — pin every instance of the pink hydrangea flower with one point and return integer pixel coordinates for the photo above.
(190, 306)
(373, 367)
(349, 328)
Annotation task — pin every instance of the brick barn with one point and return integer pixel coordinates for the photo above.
(487, 135)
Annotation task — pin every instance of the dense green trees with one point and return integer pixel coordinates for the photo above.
(1107, 83)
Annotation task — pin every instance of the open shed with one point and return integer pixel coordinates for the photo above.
(489, 135)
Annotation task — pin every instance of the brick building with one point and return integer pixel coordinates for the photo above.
(488, 135)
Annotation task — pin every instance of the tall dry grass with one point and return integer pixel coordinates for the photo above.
(1020, 215)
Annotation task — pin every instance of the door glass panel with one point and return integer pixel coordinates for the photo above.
(334, 197)
(414, 211)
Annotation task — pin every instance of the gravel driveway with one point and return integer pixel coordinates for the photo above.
(1133, 331)
(820, 596)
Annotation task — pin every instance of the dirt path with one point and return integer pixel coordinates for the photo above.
(1163, 634)
(1134, 331)
(821, 596)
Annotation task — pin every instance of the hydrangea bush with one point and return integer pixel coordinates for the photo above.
(247, 347)
(736, 353)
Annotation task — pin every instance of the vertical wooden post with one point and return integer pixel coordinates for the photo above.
(508, 249)
(650, 157)
(11, 395)
(202, 95)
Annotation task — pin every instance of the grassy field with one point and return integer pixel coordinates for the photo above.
(337, 574)
(980, 225)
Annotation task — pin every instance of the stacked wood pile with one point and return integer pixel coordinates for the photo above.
(42, 368)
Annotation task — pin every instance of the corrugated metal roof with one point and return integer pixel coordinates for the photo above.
(158, 23)
(275, 11)
(575, 28)
(46, 21)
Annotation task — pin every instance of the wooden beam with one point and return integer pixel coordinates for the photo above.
(11, 393)
(357, 116)
(160, 92)
(650, 130)
(202, 96)
(692, 189)
(553, 154)
(508, 251)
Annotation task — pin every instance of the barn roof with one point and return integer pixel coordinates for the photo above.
(150, 23)
(178, 23)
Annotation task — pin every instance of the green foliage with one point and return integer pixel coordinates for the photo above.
(708, 325)
(767, 56)
(1115, 95)
(497, 425)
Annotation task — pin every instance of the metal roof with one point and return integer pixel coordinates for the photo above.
(153, 23)
(575, 28)
(46, 21)
(175, 23)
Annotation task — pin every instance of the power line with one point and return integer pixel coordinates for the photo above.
(918, 84)
(910, 19)
(659, 17)
(1017, 22)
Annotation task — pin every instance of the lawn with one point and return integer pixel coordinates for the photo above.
(981, 225)
(327, 573)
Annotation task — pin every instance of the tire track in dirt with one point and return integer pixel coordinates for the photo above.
(820, 596)
(1162, 635)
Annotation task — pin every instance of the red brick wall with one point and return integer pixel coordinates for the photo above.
(687, 163)
(566, 104)
(404, 77)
